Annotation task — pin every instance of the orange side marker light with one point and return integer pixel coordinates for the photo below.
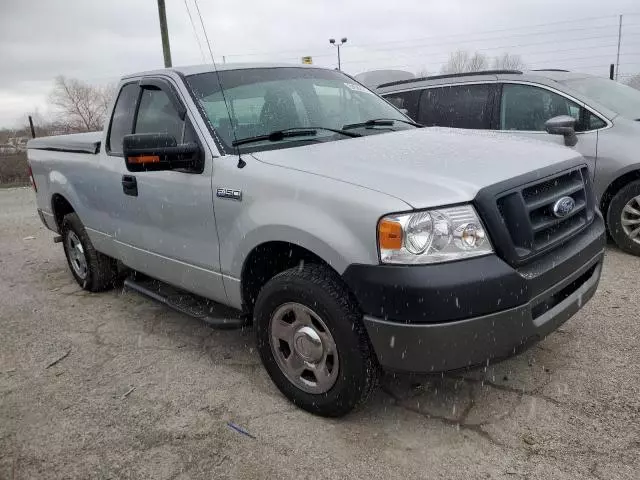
(389, 235)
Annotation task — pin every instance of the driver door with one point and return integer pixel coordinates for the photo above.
(165, 223)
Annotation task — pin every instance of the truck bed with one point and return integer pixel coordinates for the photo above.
(76, 142)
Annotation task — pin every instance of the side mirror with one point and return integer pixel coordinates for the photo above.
(159, 151)
(563, 125)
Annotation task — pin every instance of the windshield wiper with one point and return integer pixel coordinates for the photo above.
(279, 135)
(380, 122)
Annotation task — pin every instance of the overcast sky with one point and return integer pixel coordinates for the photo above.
(99, 41)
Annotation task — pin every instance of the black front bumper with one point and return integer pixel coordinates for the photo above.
(441, 317)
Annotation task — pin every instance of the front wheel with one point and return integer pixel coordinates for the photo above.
(623, 218)
(312, 341)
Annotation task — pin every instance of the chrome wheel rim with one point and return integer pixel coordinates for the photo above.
(77, 259)
(630, 219)
(304, 348)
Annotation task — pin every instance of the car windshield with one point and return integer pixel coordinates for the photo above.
(258, 102)
(620, 98)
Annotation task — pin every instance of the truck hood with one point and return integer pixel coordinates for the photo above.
(423, 167)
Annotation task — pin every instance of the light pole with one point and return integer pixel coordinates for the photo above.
(332, 41)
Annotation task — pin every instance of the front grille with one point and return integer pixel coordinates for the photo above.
(527, 211)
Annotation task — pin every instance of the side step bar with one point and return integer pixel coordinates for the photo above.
(212, 313)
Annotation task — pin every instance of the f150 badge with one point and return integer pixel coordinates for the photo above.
(229, 193)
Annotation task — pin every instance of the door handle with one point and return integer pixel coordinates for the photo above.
(130, 185)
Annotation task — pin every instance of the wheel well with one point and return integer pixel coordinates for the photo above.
(615, 186)
(60, 207)
(267, 260)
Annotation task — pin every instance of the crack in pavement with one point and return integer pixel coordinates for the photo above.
(476, 428)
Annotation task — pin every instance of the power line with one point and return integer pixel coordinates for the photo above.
(287, 53)
(224, 97)
(205, 34)
(572, 59)
(484, 32)
(502, 47)
(444, 54)
(395, 53)
(555, 40)
(195, 32)
(467, 36)
(408, 49)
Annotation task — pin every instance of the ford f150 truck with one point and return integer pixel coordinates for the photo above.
(354, 240)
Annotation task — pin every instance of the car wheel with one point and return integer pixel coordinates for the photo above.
(92, 270)
(312, 341)
(623, 218)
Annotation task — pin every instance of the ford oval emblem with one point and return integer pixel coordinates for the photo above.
(563, 207)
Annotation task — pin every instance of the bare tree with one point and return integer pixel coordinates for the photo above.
(81, 107)
(107, 93)
(508, 61)
(422, 73)
(463, 61)
(634, 81)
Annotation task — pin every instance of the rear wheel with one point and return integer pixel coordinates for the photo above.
(623, 218)
(92, 270)
(312, 341)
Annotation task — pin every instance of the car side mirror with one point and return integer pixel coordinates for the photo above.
(563, 125)
(159, 151)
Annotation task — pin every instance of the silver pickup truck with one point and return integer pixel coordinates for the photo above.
(354, 240)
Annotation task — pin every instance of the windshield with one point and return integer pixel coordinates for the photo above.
(620, 98)
(266, 100)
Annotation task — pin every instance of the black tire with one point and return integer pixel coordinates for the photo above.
(101, 271)
(320, 289)
(614, 218)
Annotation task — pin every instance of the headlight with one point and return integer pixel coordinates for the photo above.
(432, 236)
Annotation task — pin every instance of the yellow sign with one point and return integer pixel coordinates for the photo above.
(307, 60)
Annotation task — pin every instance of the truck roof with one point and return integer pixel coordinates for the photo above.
(209, 68)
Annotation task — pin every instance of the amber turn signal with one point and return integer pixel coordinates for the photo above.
(389, 235)
(145, 159)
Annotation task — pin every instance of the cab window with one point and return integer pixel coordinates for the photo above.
(122, 118)
(157, 114)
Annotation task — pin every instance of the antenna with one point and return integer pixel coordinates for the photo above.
(241, 162)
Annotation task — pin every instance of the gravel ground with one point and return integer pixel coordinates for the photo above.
(145, 392)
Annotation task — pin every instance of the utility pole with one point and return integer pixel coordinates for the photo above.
(619, 42)
(164, 32)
